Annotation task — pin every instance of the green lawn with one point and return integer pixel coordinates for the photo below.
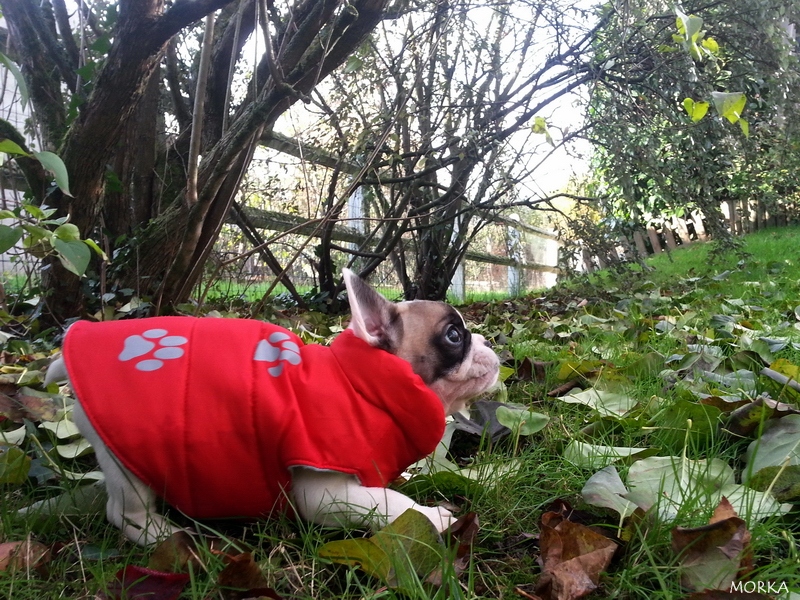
(664, 357)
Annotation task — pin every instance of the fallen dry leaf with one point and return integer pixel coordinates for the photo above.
(242, 578)
(26, 556)
(572, 556)
(140, 582)
(38, 408)
(10, 407)
(462, 535)
(713, 555)
(174, 554)
(530, 370)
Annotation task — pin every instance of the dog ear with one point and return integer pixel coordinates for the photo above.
(373, 317)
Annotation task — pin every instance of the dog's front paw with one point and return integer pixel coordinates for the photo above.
(438, 515)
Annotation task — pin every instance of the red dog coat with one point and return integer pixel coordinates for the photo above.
(211, 413)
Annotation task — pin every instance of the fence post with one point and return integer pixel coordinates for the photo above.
(656, 243)
(669, 235)
(458, 284)
(516, 252)
(699, 228)
(355, 217)
(683, 232)
(638, 239)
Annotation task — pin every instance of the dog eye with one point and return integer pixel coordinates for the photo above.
(453, 335)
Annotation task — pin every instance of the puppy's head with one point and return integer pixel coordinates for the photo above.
(431, 336)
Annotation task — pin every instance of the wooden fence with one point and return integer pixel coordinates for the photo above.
(532, 258)
(527, 260)
(668, 234)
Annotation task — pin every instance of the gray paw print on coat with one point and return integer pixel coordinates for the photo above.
(279, 348)
(167, 347)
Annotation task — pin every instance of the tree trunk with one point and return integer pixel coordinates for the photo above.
(171, 237)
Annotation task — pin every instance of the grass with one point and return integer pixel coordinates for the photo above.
(602, 331)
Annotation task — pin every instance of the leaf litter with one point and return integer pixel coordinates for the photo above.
(720, 382)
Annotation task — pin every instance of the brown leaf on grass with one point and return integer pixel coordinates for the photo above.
(10, 408)
(38, 408)
(532, 370)
(572, 556)
(26, 556)
(725, 406)
(140, 582)
(18, 405)
(242, 578)
(712, 556)
(745, 420)
(462, 535)
(175, 554)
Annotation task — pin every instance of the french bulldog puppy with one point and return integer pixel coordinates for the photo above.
(238, 418)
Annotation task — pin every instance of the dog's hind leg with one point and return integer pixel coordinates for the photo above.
(131, 504)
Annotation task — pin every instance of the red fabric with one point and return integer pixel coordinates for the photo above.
(219, 418)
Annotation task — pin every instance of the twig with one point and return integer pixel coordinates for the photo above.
(781, 378)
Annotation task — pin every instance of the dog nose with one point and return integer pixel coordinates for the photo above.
(487, 343)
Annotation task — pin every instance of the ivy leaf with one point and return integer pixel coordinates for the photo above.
(74, 255)
(696, 110)
(80, 447)
(8, 237)
(63, 429)
(22, 86)
(711, 45)
(522, 421)
(67, 232)
(353, 64)
(783, 482)
(729, 104)
(745, 127)
(97, 249)
(14, 437)
(54, 164)
(689, 27)
(540, 127)
(671, 484)
(83, 500)
(10, 147)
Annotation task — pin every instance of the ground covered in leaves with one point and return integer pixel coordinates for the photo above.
(645, 443)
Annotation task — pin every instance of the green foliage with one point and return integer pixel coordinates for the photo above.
(659, 153)
(51, 162)
(42, 235)
(22, 85)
